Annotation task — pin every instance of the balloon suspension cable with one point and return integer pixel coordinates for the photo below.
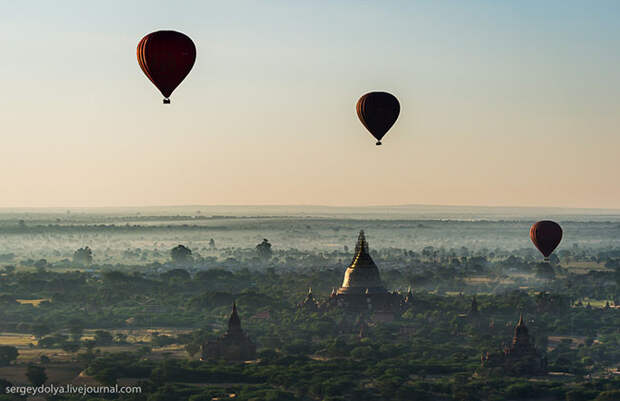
(378, 143)
(166, 100)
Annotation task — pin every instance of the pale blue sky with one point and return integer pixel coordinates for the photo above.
(503, 103)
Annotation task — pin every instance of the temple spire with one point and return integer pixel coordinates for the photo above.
(234, 323)
(362, 273)
(521, 333)
(362, 245)
(233, 345)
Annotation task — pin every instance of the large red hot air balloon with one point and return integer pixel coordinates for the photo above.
(546, 236)
(166, 57)
(378, 111)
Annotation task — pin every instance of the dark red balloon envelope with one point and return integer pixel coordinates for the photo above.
(546, 236)
(378, 111)
(166, 57)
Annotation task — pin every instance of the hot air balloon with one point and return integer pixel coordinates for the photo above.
(166, 57)
(546, 236)
(378, 111)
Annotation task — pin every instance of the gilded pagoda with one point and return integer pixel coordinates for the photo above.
(362, 288)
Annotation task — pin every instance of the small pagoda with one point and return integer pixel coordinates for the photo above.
(309, 304)
(234, 345)
(521, 358)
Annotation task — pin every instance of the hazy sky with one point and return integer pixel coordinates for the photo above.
(502, 103)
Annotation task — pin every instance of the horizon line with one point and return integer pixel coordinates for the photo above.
(6, 208)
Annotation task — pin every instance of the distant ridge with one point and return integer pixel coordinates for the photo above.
(398, 212)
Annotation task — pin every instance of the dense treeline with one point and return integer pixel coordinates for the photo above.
(431, 351)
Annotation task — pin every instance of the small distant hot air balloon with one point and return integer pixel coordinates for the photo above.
(166, 57)
(546, 236)
(378, 111)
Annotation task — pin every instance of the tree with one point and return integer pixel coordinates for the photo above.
(107, 376)
(115, 276)
(8, 354)
(211, 243)
(181, 254)
(120, 338)
(40, 264)
(545, 271)
(608, 395)
(53, 341)
(553, 259)
(264, 249)
(83, 256)
(76, 328)
(40, 330)
(36, 375)
(162, 340)
(103, 338)
(192, 348)
(89, 345)
(362, 352)
(580, 395)
(7, 299)
(4, 384)
(71, 347)
(87, 357)
(177, 274)
(9, 269)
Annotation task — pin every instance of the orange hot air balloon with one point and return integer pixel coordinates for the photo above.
(546, 236)
(378, 111)
(166, 57)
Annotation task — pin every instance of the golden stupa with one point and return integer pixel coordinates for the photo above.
(362, 276)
